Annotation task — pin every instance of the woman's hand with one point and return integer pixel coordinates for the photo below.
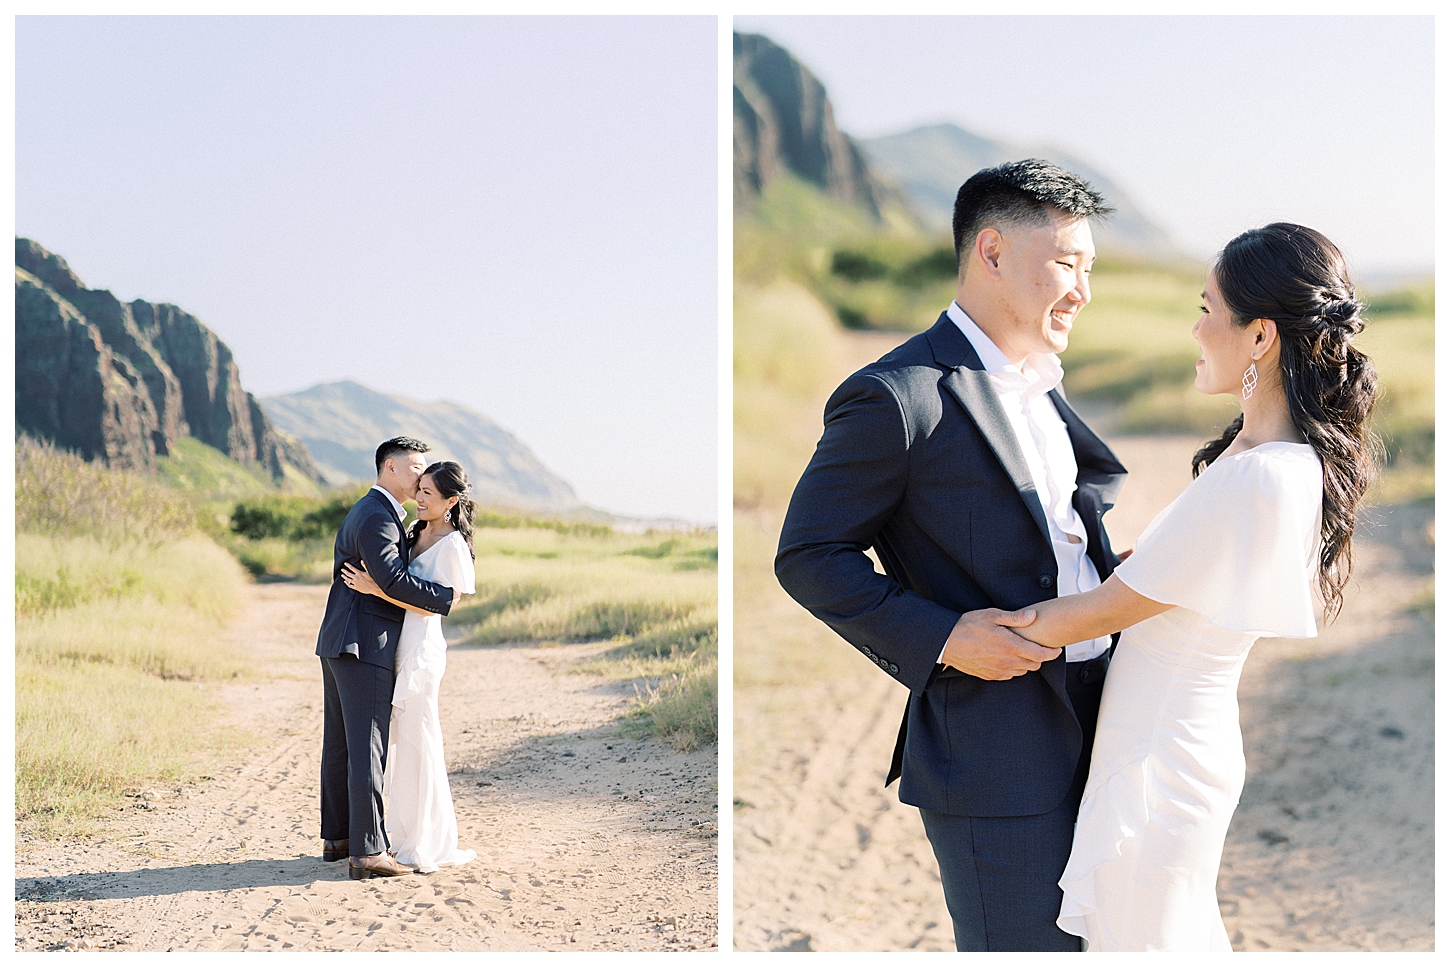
(360, 581)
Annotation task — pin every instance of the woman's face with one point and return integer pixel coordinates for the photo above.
(431, 504)
(1226, 346)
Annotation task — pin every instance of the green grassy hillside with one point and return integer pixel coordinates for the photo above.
(202, 470)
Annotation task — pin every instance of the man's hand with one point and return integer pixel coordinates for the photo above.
(981, 645)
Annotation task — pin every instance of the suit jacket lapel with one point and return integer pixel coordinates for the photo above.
(1097, 466)
(972, 387)
(1099, 479)
(402, 531)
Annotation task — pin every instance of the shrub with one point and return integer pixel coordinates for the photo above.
(857, 266)
(852, 318)
(59, 492)
(935, 266)
(293, 517)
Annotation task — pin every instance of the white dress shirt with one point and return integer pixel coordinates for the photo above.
(1045, 445)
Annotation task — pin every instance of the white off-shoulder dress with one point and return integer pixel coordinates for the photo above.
(422, 827)
(1236, 554)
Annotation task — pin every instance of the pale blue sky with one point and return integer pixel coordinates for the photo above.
(1213, 124)
(518, 214)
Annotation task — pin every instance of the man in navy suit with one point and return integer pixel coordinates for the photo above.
(958, 460)
(357, 643)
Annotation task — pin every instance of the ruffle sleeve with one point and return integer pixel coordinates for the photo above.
(455, 566)
(1239, 545)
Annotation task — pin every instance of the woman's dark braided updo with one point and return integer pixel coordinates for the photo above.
(1297, 278)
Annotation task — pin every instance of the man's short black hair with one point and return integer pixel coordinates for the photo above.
(1020, 191)
(398, 444)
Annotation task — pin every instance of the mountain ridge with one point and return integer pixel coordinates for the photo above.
(342, 423)
(930, 162)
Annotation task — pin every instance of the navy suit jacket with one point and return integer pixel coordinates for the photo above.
(363, 624)
(918, 461)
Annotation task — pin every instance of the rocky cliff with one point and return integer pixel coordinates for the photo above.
(784, 123)
(120, 382)
(343, 423)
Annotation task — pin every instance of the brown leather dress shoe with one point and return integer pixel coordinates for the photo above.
(379, 864)
(333, 849)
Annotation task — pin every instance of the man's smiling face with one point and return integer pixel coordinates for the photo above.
(1044, 282)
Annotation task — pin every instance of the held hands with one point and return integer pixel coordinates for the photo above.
(981, 645)
(360, 581)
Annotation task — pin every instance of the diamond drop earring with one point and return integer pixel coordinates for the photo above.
(1251, 379)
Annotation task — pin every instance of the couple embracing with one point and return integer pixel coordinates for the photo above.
(1072, 736)
(383, 657)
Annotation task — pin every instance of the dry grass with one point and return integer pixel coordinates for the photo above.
(57, 492)
(108, 679)
(118, 605)
(654, 595)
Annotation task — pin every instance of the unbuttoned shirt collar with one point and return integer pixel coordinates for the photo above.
(397, 507)
(1040, 372)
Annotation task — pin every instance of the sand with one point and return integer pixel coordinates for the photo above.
(586, 839)
(1331, 847)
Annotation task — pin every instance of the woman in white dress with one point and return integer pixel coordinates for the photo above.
(1237, 556)
(421, 826)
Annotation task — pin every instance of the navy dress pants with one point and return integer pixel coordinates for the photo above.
(357, 703)
(1000, 873)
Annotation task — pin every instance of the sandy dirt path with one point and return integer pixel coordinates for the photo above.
(586, 840)
(1332, 845)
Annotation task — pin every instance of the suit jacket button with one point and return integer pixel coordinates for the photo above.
(894, 669)
(1045, 581)
(867, 652)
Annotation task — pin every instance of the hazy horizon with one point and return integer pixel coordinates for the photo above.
(517, 213)
(1212, 124)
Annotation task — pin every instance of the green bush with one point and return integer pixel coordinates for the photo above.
(934, 266)
(858, 266)
(853, 318)
(290, 516)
